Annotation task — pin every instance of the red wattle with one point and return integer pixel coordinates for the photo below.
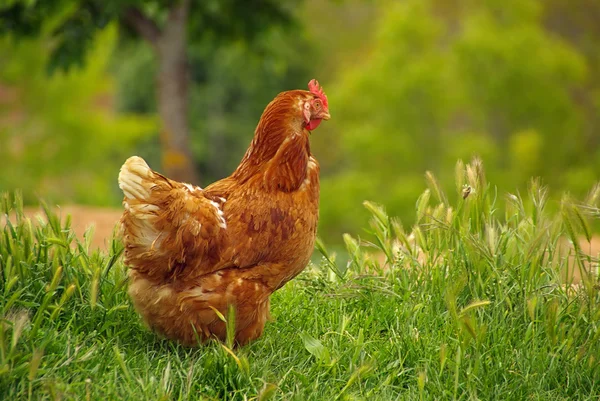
(313, 124)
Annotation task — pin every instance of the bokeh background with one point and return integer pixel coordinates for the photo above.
(413, 85)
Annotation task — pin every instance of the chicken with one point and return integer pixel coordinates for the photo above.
(193, 253)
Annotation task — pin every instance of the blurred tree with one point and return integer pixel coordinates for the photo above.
(167, 27)
(229, 89)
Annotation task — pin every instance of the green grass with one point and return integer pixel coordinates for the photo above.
(468, 305)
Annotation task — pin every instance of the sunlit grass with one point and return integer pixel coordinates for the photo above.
(470, 303)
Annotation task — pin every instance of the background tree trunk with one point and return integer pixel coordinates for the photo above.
(172, 81)
(172, 87)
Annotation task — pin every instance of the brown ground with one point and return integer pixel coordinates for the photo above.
(82, 217)
(592, 249)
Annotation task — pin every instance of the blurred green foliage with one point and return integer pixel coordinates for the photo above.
(442, 83)
(78, 21)
(60, 137)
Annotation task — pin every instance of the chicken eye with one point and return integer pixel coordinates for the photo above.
(317, 104)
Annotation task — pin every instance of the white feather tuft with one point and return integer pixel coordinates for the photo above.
(131, 178)
(222, 222)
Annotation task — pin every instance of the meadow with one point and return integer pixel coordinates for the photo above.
(488, 296)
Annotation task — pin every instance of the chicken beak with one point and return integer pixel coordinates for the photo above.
(325, 115)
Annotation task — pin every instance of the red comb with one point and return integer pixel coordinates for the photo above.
(313, 87)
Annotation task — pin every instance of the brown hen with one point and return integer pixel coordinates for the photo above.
(193, 252)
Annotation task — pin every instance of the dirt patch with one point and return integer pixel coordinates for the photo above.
(592, 249)
(82, 217)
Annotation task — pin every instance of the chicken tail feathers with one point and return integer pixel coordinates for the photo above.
(133, 178)
(166, 224)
